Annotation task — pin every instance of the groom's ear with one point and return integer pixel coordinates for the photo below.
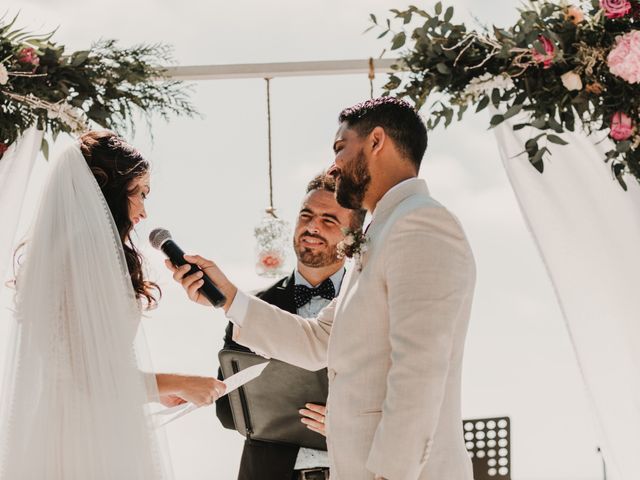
(377, 139)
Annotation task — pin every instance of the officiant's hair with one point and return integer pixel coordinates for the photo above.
(398, 119)
(115, 164)
(328, 183)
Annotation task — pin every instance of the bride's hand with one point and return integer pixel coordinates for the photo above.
(189, 388)
(192, 283)
(171, 400)
(200, 390)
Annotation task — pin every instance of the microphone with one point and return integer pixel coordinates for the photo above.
(161, 240)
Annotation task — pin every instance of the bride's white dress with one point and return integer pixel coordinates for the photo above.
(74, 400)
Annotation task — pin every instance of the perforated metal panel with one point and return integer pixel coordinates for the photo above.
(488, 441)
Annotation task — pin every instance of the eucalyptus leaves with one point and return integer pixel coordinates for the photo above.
(560, 66)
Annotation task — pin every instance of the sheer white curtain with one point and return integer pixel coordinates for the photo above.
(15, 170)
(587, 229)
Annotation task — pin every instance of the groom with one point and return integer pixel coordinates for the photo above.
(393, 340)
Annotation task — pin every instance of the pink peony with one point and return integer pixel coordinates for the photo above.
(28, 55)
(546, 59)
(624, 57)
(615, 8)
(621, 126)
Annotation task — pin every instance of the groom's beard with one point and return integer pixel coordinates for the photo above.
(352, 185)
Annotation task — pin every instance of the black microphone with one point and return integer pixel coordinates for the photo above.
(161, 240)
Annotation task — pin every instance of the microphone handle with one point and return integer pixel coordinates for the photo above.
(208, 289)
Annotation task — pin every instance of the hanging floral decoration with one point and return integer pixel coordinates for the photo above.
(272, 243)
(560, 66)
(42, 84)
(273, 234)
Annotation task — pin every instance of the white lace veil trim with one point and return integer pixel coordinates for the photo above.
(75, 399)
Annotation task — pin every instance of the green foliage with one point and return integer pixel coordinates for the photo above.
(446, 68)
(107, 85)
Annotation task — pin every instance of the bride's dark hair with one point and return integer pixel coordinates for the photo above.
(115, 164)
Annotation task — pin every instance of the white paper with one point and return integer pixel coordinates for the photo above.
(245, 376)
(232, 383)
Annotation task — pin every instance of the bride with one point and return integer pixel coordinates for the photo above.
(75, 399)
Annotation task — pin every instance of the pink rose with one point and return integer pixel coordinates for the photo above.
(621, 126)
(28, 55)
(624, 58)
(270, 260)
(546, 59)
(615, 8)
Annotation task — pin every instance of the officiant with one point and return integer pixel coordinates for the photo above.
(315, 281)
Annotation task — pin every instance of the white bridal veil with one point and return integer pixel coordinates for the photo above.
(74, 403)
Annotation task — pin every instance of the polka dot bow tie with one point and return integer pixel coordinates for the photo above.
(304, 294)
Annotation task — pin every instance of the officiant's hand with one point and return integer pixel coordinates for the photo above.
(192, 283)
(313, 416)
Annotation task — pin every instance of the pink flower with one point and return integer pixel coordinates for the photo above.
(615, 8)
(546, 59)
(621, 126)
(574, 15)
(270, 260)
(624, 57)
(28, 55)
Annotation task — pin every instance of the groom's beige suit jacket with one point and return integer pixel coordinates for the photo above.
(393, 343)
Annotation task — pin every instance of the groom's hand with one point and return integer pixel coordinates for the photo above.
(192, 283)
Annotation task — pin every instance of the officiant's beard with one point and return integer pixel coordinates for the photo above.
(315, 259)
(352, 185)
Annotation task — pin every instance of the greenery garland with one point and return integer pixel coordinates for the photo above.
(564, 66)
(64, 92)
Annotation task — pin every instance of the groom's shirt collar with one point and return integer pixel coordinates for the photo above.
(397, 194)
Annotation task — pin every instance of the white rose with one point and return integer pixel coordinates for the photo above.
(4, 75)
(349, 240)
(571, 81)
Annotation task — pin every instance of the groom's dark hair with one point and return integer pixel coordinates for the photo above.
(398, 119)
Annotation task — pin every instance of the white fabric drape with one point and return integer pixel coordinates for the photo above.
(587, 229)
(16, 166)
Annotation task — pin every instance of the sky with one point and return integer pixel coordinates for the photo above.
(209, 188)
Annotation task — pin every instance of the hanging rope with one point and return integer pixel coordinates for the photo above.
(271, 210)
(372, 74)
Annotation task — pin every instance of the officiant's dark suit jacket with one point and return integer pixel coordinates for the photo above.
(262, 460)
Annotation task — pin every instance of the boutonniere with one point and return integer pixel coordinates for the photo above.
(354, 245)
